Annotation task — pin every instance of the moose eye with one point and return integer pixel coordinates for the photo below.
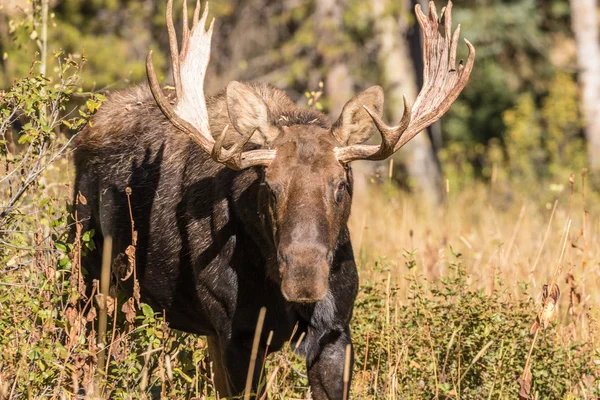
(339, 192)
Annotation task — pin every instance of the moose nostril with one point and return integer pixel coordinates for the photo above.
(305, 252)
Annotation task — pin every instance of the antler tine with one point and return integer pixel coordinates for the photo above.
(442, 83)
(223, 155)
(234, 158)
(196, 17)
(389, 135)
(185, 29)
(174, 48)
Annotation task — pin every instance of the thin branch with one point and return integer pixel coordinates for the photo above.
(32, 177)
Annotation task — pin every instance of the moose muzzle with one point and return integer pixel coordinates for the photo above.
(304, 271)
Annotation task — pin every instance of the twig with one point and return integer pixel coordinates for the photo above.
(32, 177)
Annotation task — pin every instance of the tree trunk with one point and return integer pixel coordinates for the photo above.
(339, 86)
(399, 78)
(584, 21)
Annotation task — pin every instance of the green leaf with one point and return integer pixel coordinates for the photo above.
(147, 310)
(60, 246)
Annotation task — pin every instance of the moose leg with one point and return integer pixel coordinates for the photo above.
(326, 367)
(222, 381)
(237, 362)
(230, 363)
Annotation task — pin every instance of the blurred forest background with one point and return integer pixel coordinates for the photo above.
(455, 299)
(522, 111)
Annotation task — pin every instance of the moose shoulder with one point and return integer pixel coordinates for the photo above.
(241, 201)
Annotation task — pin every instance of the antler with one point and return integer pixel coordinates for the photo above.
(442, 83)
(190, 114)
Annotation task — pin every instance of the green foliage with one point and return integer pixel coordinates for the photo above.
(545, 142)
(93, 31)
(560, 112)
(32, 112)
(451, 340)
(524, 138)
(517, 92)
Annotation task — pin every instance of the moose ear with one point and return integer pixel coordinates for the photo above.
(354, 125)
(248, 113)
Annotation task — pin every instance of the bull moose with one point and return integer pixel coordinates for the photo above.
(241, 200)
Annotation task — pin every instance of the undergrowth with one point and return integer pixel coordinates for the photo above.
(442, 339)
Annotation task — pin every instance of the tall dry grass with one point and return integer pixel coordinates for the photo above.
(511, 235)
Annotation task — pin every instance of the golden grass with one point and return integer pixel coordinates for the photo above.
(513, 237)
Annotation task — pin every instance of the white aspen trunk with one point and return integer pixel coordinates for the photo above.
(584, 21)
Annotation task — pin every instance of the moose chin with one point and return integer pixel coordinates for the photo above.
(241, 201)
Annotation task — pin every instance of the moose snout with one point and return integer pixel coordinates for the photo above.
(304, 271)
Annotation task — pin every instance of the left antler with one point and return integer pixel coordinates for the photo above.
(190, 114)
(442, 83)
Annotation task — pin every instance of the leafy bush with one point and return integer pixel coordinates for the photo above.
(450, 341)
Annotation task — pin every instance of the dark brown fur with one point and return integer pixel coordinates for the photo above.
(215, 245)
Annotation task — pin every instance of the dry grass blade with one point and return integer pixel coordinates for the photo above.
(477, 357)
(253, 355)
(550, 295)
(563, 248)
(539, 254)
(270, 383)
(347, 362)
(103, 296)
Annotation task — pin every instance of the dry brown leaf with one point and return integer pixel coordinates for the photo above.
(525, 384)
(119, 265)
(120, 352)
(91, 315)
(82, 199)
(113, 291)
(109, 303)
(128, 309)
(534, 327)
(75, 324)
(100, 300)
(550, 295)
(71, 315)
(92, 345)
(130, 252)
(136, 292)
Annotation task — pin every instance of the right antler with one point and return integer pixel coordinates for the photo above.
(190, 114)
(442, 83)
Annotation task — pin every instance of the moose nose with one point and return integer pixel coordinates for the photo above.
(304, 272)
